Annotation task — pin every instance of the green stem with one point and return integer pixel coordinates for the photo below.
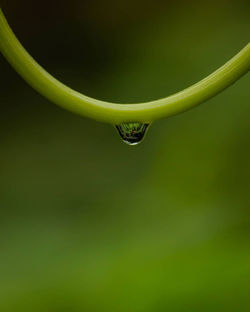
(114, 113)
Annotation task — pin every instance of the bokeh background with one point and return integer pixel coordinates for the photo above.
(88, 223)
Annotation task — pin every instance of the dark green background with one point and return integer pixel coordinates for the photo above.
(88, 223)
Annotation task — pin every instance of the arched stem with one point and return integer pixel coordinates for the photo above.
(114, 113)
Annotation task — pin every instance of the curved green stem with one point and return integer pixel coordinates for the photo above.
(113, 113)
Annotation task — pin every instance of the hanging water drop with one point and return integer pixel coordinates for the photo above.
(132, 133)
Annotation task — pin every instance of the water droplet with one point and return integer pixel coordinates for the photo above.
(132, 133)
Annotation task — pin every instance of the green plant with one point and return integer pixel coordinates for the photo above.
(113, 113)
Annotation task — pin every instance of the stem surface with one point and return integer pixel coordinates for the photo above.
(114, 113)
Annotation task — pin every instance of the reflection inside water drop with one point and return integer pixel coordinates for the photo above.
(132, 133)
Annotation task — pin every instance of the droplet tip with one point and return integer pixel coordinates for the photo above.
(132, 133)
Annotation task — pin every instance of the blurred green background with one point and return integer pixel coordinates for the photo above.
(90, 224)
